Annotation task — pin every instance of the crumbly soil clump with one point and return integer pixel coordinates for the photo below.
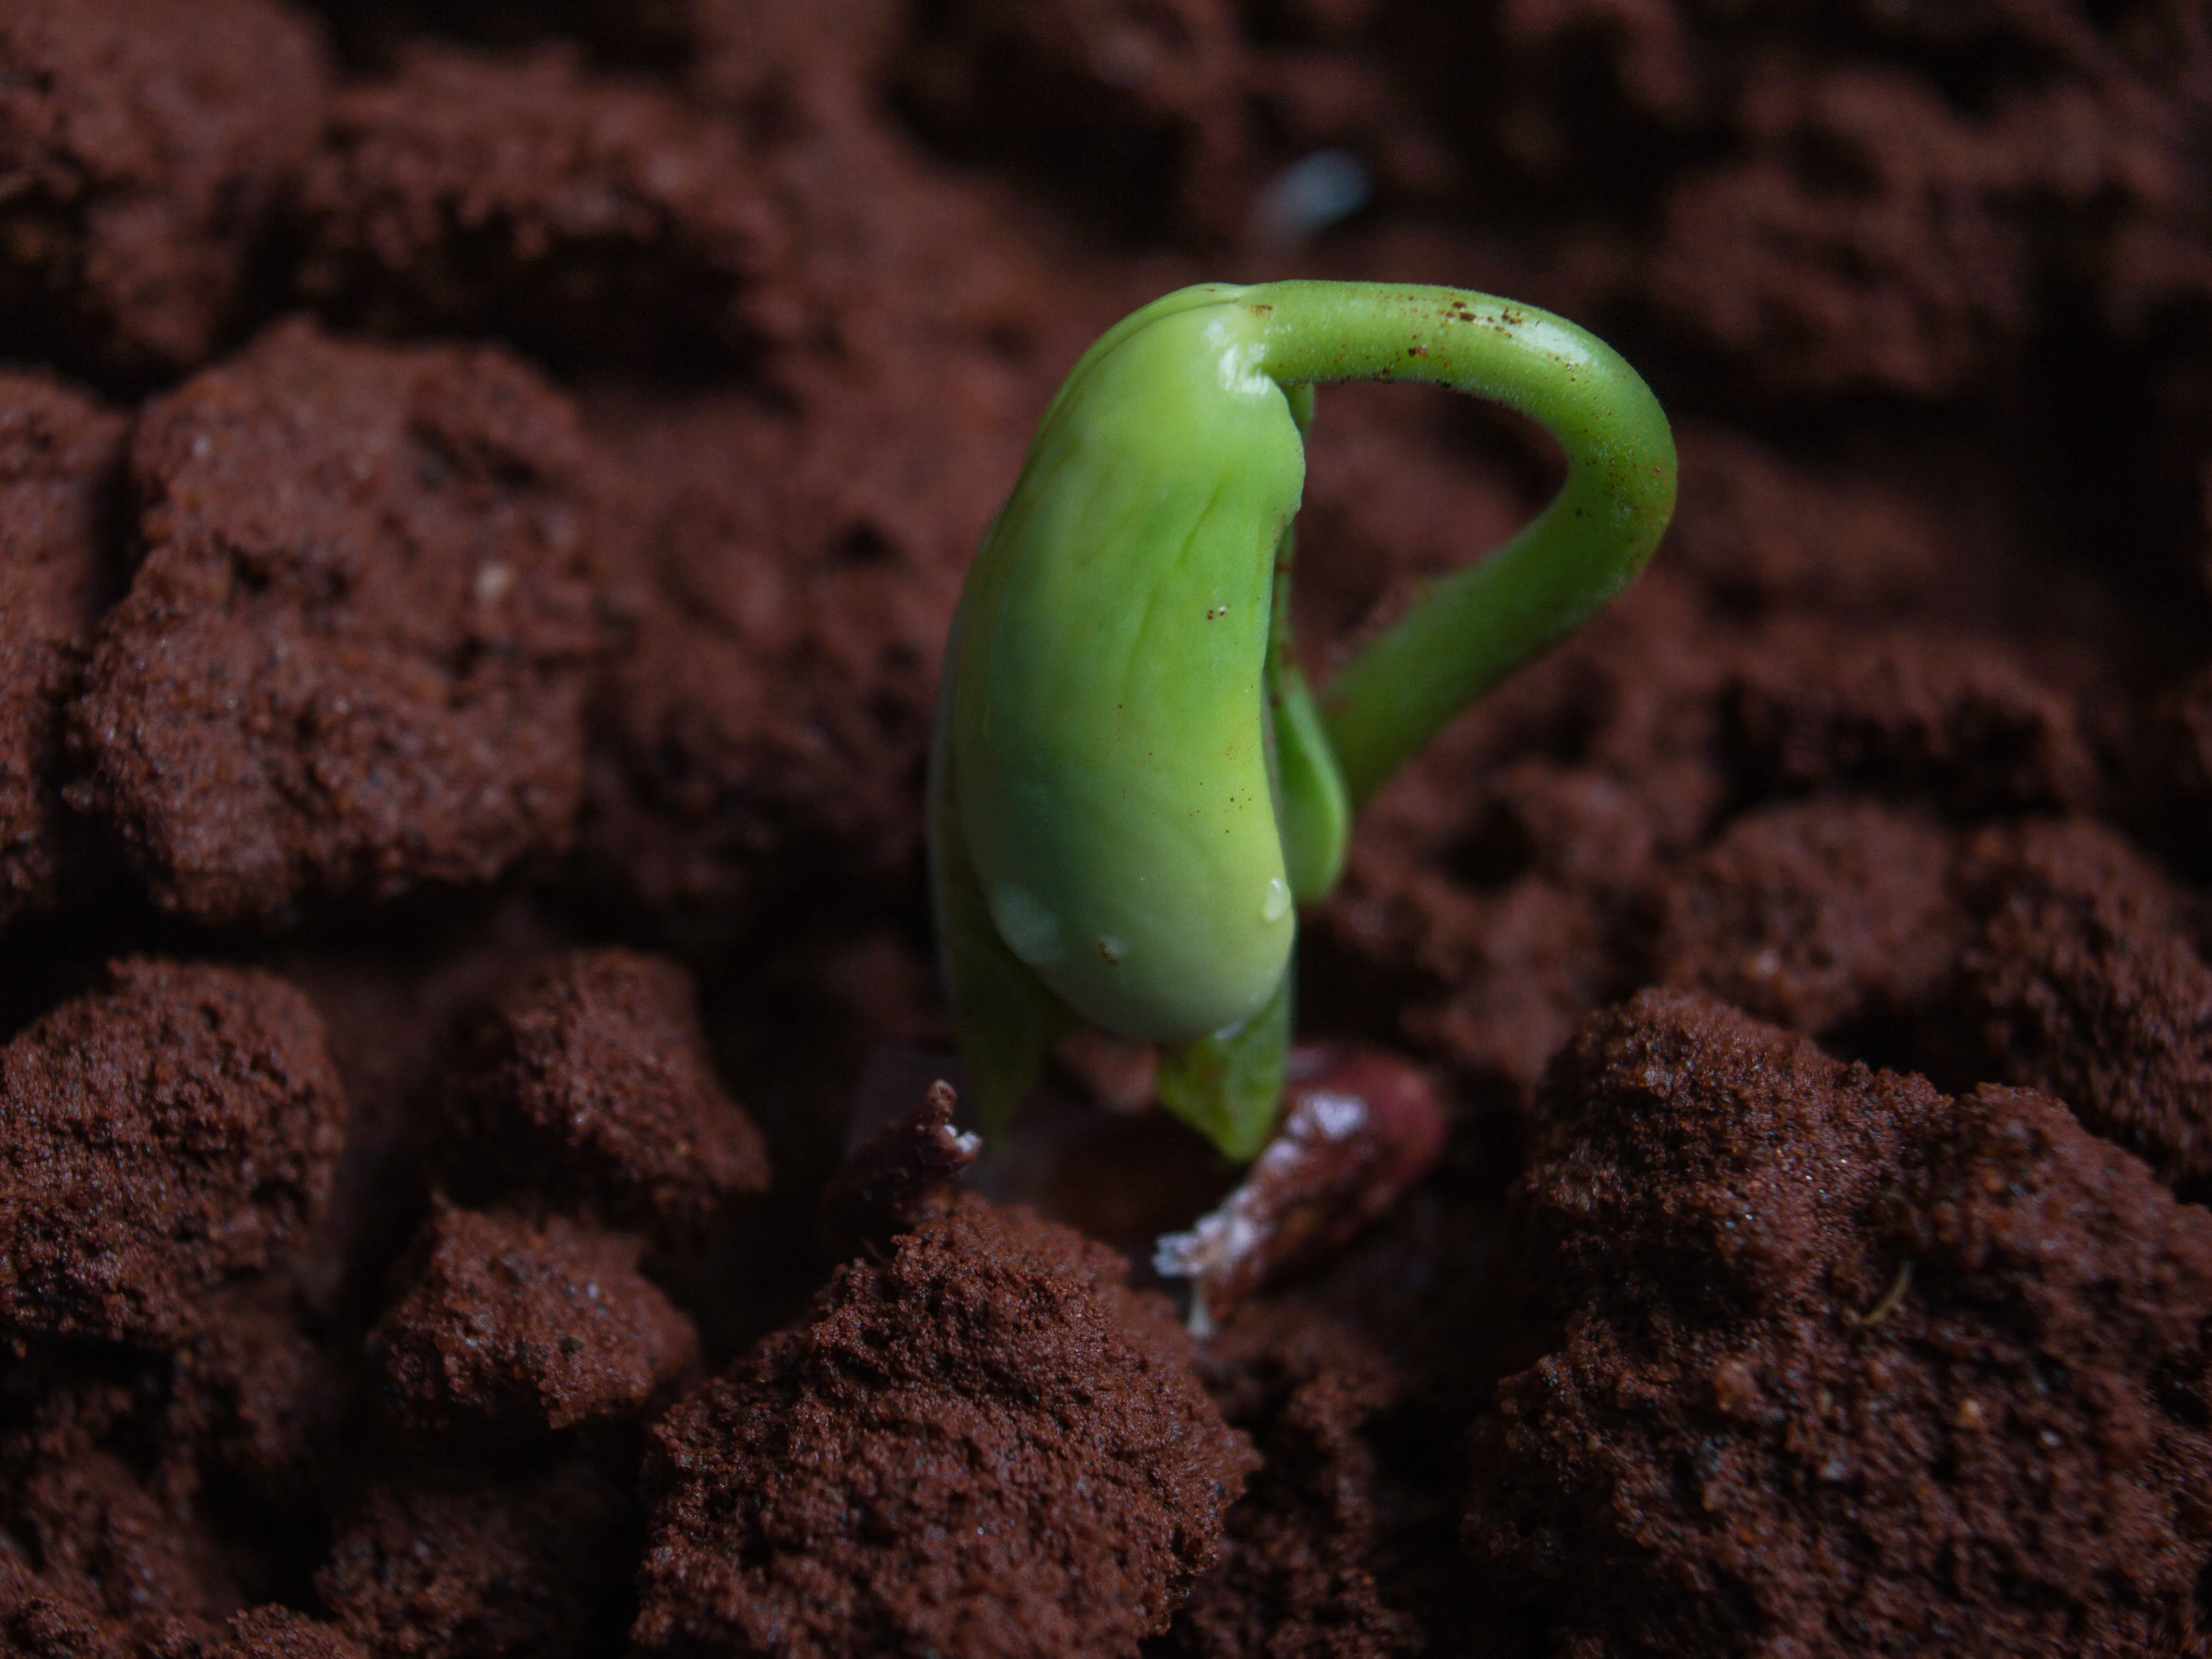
(982, 1443)
(173, 1131)
(501, 1327)
(583, 217)
(467, 1559)
(593, 1085)
(146, 147)
(1841, 1363)
(2082, 981)
(1306, 1551)
(352, 659)
(60, 465)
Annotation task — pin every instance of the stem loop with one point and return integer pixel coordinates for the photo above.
(1471, 628)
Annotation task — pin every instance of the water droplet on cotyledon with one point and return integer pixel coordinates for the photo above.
(1031, 932)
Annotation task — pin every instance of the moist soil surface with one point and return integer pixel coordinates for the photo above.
(482, 493)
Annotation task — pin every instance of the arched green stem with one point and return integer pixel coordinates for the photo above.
(1471, 630)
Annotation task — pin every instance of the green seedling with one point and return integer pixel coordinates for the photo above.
(1132, 789)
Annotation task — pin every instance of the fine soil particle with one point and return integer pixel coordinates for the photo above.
(206, 1094)
(353, 659)
(60, 462)
(146, 143)
(993, 1368)
(576, 215)
(591, 1086)
(500, 1328)
(1839, 1364)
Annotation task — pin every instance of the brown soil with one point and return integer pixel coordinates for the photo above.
(482, 492)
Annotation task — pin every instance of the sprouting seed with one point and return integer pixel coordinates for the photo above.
(1119, 685)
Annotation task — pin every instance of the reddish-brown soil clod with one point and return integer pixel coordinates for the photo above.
(393, 1011)
(60, 468)
(1499, 885)
(263, 1401)
(1839, 1364)
(993, 1368)
(203, 1093)
(104, 1514)
(498, 1327)
(471, 1562)
(1767, 538)
(799, 544)
(2083, 980)
(145, 144)
(1907, 282)
(1307, 1546)
(574, 213)
(592, 1084)
(1817, 913)
(39, 1622)
(1965, 724)
(352, 660)
(766, 730)
(119, 1547)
